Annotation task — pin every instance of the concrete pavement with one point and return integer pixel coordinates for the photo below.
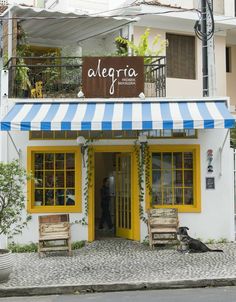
(117, 265)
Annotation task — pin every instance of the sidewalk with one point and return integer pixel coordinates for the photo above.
(116, 264)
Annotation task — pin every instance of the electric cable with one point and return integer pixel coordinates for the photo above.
(197, 27)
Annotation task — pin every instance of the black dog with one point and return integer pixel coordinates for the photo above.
(191, 245)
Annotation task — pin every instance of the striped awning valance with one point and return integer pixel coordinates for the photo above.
(118, 116)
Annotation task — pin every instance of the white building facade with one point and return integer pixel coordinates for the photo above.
(179, 141)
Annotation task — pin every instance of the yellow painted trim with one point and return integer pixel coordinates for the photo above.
(135, 191)
(197, 176)
(77, 208)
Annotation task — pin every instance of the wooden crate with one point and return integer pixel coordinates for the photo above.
(162, 226)
(54, 234)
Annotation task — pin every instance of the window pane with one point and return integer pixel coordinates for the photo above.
(60, 179)
(167, 162)
(48, 134)
(49, 161)
(167, 196)
(38, 175)
(166, 133)
(177, 160)
(60, 161)
(70, 161)
(71, 134)
(156, 161)
(188, 196)
(36, 134)
(167, 178)
(178, 178)
(38, 197)
(38, 162)
(60, 134)
(156, 179)
(156, 198)
(49, 197)
(178, 196)
(188, 178)
(70, 179)
(49, 179)
(188, 160)
(70, 197)
(60, 197)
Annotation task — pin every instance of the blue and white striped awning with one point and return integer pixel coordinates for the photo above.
(118, 116)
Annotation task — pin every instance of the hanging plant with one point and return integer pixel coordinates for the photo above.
(140, 159)
(88, 181)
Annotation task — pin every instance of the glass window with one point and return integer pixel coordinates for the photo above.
(115, 134)
(173, 178)
(55, 183)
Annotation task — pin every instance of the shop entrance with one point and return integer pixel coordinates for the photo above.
(113, 195)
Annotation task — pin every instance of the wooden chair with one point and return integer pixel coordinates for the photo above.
(162, 226)
(54, 234)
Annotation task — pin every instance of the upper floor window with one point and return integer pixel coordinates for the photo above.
(180, 56)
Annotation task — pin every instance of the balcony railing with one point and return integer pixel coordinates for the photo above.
(61, 77)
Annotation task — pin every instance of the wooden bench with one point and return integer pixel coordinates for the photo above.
(54, 234)
(162, 226)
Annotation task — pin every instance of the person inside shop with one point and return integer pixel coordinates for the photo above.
(105, 204)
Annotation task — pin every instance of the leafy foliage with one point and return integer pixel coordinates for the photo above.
(12, 198)
(142, 48)
(23, 248)
(78, 244)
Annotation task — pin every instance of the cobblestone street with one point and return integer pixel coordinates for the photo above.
(117, 261)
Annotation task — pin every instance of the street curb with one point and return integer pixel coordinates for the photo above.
(112, 287)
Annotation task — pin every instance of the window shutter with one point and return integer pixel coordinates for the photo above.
(180, 56)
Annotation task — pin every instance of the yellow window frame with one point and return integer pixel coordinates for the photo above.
(77, 208)
(195, 149)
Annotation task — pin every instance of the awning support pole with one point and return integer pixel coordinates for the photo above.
(18, 151)
(221, 151)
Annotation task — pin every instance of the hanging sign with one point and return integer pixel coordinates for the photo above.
(112, 77)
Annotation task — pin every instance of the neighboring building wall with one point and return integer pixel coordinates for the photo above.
(231, 76)
(186, 87)
(80, 5)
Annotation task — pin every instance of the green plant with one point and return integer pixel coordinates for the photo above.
(22, 75)
(142, 48)
(23, 248)
(222, 240)
(78, 244)
(210, 241)
(12, 198)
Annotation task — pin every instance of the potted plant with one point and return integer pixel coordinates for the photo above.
(12, 202)
(143, 48)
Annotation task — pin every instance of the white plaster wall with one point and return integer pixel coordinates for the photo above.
(229, 8)
(102, 45)
(216, 219)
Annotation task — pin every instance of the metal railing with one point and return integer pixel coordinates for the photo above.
(61, 77)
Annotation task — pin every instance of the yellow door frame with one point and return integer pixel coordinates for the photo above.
(134, 190)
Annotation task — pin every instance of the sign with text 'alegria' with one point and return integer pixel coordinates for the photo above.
(112, 77)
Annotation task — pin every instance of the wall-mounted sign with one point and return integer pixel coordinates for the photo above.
(112, 77)
(210, 183)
